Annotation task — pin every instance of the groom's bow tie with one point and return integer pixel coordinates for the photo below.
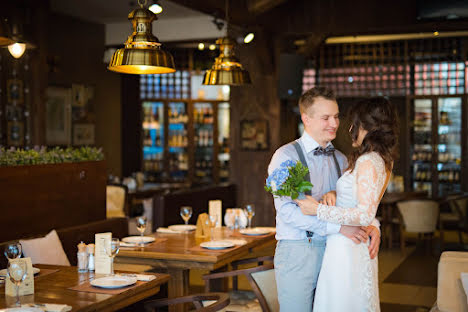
(327, 151)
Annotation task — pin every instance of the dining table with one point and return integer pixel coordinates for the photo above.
(178, 253)
(65, 285)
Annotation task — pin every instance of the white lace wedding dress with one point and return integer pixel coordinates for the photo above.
(348, 278)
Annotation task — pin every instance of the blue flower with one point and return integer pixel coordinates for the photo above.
(277, 178)
(288, 163)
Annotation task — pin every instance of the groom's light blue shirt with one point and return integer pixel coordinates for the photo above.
(291, 224)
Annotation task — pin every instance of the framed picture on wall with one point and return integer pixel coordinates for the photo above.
(58, 116)
(83, 134)
(15, 133)
(15, 91)
(254, 134)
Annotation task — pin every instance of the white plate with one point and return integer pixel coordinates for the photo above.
(4, 272)
(267, 228)
(138, 239)
(116, 281)
(22, 309)
(182, 227)
(217, 244)
(254, 231)
(237, 242)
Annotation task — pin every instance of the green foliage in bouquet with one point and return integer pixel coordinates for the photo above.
(42, 156)
(288, 180)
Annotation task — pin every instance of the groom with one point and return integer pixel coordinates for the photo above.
(301, 238)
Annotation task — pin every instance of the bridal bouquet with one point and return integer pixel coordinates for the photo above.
(288, 180)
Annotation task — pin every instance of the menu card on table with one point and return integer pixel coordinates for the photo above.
(102, 262)
(27, 286)
(214, 209)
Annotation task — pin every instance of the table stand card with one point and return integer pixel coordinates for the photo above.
(214, 209)
(203, 229)
(27, 286)
(102, 262)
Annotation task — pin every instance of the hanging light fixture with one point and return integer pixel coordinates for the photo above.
(156, 8)
(142, 53)
(226, 70)
(5, 35)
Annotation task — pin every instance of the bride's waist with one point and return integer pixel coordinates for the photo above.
(341, 240)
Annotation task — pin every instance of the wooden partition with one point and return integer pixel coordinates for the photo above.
(38, 198)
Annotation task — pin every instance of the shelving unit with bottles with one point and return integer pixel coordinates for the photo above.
(437, 146)
(185, 139)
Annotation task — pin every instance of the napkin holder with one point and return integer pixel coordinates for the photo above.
(203, 229)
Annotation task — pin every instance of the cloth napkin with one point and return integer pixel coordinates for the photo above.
(167, 231)
(141, 277)
(50, 307)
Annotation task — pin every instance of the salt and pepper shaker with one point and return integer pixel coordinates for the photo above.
(90, 257)
(82, 257)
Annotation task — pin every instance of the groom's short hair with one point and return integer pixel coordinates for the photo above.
(308, 98)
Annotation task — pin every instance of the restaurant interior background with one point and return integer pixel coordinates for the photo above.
(175, 130)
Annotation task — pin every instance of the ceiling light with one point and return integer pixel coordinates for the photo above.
(17, 49)
(226, 70)
(156, 8)
(249, 37)
(212, 47)
(201, 46)
(142, 53)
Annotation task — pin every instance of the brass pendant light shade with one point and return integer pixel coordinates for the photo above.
(142, 53)
(5, 35)
(226, 70)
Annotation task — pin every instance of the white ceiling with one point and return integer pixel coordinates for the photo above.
(115, 11)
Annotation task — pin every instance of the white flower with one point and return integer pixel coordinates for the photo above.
(273, 186)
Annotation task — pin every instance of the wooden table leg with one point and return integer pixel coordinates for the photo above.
(178, 286)
(218, 285)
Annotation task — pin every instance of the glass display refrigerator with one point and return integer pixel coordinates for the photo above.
(436, 145)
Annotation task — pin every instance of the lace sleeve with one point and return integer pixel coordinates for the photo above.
(370, 176)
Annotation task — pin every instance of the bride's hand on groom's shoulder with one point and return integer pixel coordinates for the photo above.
(329, 198)
(308, 205)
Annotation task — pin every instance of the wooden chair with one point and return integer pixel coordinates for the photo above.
(221, 300)
(456, 218)
(418, 216)
(261, 278)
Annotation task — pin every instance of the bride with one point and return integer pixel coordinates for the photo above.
(348, 280)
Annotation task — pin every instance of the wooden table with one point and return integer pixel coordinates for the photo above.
(388, 205)
(177, 255)
(54, 288)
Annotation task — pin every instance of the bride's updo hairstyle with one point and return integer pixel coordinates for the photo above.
(378, 116)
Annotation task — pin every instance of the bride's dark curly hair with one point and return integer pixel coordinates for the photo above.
(378, 116)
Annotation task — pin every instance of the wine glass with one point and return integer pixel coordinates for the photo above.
(141, 227)
(186, 213)
(113, 251)
(212, 223)
(13, 250)
(17, 272)
(249, 210)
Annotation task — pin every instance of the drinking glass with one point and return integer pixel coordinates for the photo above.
(212, 222)
(141, 227)
(13, 250)
(17, 272)
(113, 251)
(186, 213)
(249, 210)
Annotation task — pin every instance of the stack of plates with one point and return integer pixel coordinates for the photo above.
(177, 229)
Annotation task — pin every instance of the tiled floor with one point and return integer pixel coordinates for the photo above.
(413, 283)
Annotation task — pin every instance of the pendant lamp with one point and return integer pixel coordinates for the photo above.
(5, 35)
(226, 70)
(142, 53)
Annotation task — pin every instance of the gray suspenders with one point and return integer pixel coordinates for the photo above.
(302, 158)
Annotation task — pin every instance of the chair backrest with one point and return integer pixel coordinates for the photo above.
(116, 196)
(459, 206)
(419, 216)
(267, 283)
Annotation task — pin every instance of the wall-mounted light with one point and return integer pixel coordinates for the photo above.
(249, 37)
(156, 8)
